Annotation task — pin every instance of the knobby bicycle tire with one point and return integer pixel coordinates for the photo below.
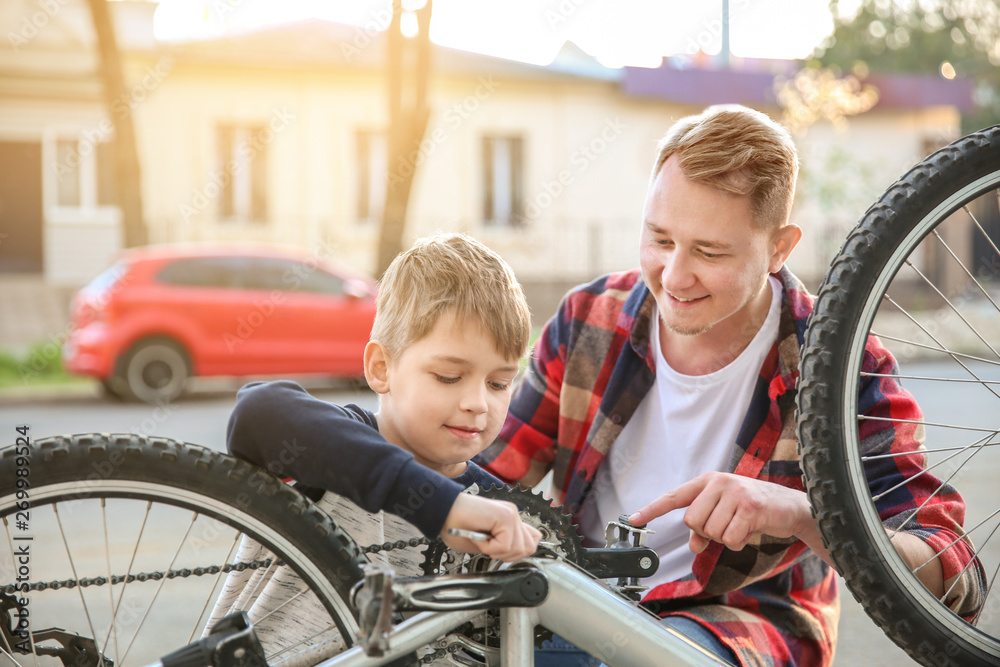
(902, 275)
(118, 487)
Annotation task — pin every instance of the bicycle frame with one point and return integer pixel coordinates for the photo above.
(579, 608)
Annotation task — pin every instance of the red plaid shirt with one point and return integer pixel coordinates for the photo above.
(775, 601)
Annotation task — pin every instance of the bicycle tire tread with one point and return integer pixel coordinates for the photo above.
(835, 317)
(84, 457)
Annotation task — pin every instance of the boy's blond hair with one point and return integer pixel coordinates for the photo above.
(738, 150)
(450, 273)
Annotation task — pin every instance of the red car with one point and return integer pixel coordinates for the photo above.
(162, 314)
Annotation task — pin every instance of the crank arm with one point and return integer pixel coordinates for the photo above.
(621, 562)
(514, 587)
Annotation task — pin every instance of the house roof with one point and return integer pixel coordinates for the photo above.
(316, 43)
(701, 87)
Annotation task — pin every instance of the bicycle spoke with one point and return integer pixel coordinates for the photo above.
(211, 592)
(300, 643)
(111, 597)
(933, 338)
(31, 639)
(8, 654)
(928, 378)
(976, 552)
(280, 606)
(259, 585)
(939, 348)
(135, 549)
(936, 491)
(159, 587)
(962, 264)
(948, 301)
(974, 446)
(72, 565)
(986, 595)
(982, 231)
(936, 450)
(920, 422)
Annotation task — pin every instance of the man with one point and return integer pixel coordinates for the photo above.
(671, 387)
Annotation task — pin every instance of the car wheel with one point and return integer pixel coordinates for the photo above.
(111, 388)
(153, 371)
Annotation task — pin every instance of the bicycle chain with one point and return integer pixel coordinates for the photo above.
(85, 582)
(398, 544)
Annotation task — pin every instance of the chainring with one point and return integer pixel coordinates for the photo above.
(556, 527)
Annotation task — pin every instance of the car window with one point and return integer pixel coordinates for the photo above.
(108, 277)
(206, 272)
(292, 276)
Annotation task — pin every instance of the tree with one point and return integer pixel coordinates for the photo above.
(408, 68)
(954, 37)
(127, 173)
(815, 93)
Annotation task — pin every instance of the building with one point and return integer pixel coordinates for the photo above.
(278, 136)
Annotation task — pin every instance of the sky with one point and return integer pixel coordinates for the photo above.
(616, 32)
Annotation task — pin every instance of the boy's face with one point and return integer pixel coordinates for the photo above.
(445, 397)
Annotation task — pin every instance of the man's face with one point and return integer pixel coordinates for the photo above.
(705, 260)
(447, 395)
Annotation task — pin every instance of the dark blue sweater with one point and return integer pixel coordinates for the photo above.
(281, 427)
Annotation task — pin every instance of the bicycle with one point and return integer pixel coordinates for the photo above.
(94, 482)
(97, 498)
(904, 273)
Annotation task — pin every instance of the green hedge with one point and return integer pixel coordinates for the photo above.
(42, 364)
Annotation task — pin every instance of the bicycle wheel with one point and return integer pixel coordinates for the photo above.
(919, 272)
(163, 521)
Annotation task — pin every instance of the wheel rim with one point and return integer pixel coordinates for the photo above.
(114, 527)
(981, 524)
(156, 372)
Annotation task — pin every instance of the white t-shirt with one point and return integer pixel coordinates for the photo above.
(685, 426)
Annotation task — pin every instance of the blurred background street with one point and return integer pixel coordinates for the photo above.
(196, 191)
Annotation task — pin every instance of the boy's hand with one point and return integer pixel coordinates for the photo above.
(511, 539)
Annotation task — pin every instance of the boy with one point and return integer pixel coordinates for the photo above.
(451, 325)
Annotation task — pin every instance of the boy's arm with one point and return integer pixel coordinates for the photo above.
(279, 426)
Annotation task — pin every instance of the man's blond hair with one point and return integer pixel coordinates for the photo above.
(450, 273)
(738, 150)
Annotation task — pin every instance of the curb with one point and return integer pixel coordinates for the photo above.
(45, 393)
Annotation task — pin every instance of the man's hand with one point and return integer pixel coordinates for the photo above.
(511, 539)
(732, 509)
